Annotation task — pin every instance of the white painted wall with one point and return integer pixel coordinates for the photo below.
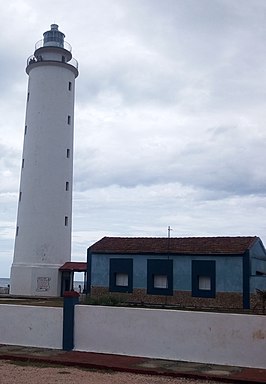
(31, 326)
(228, 339)
(43, 238)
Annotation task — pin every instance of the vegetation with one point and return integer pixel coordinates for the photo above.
(108, 300)
(44, 302)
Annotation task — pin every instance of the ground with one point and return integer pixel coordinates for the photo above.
(21, 373)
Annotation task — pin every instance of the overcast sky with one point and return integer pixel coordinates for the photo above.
(169, 121)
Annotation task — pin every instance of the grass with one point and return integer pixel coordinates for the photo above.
(108, 300)
(119, 301)
(45, 302)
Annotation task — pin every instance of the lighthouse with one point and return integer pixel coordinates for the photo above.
(44, 218)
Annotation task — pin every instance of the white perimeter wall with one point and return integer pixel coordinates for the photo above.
(31, 326)
(228, 339)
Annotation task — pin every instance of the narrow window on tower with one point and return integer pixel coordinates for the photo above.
(26, 129)
(17, 231)
(28, 96)
(20, 194)
(22, 163)
(63, 59)
(69, 86)
(68, 119)
(66, 221)
(67, 186)
(68, 153)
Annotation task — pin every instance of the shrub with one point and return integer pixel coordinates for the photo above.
(104, 300)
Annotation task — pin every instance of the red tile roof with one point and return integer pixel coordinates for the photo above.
(74, 266)
(177, 245)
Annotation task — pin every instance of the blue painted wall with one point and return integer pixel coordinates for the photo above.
(258, 250)
(258, 282)
(258, 258)
(229, 271)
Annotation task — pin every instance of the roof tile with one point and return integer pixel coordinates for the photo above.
(74, 266)
(178, 245)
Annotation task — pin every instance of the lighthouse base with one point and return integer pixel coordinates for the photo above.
(37, 280)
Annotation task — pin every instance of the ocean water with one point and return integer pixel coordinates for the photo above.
(4, 281)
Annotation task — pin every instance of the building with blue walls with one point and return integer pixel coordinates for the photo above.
(214, 272)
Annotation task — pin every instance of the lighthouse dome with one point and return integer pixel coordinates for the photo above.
(53, 38)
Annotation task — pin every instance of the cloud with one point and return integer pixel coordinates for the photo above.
(169, 119)
(9, 169)
(145, 211)
(155, 147)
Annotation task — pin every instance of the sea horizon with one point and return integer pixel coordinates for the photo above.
(5, 282)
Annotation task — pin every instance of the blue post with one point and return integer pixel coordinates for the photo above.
(71, 298)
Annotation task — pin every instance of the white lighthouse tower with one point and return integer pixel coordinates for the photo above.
(43, 232)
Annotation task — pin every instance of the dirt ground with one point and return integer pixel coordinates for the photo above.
(23, 373)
